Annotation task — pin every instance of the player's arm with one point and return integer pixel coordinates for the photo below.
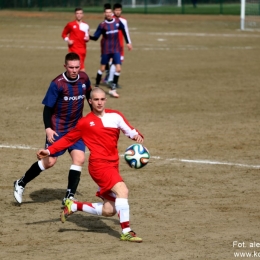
(88, 94)
(128, 130)
(67, 140)
(126, 35)
(50, 134)
(96, 35)
(124, 21)
(65, 34)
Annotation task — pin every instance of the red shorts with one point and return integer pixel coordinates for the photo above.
(82, 56)
(106, 175)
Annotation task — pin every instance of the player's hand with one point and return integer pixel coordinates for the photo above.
(138, 139)
(86, 38)
(50, 135)
(42, 153)
(70, 42)
(129, 46)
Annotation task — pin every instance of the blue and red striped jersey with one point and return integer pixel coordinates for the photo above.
(66, 97)
(110, 42)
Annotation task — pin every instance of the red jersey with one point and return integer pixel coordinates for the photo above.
(76, 32)
(99, 134)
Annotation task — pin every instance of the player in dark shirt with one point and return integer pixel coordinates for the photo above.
(63, 107)
(110, 46)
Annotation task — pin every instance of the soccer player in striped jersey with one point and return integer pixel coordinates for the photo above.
(100, 130)
(117, 10)
(110, 46)
(76, 34)
(63, 107)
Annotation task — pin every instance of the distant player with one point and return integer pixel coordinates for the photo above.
(117, 10)
(76, 34)
(110, 46)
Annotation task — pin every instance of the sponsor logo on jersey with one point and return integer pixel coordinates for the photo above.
(83, 85)
(113, 31)
(74, 26)
(91, 123)
(74, 98)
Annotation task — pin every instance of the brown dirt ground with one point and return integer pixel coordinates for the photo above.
(191, 86)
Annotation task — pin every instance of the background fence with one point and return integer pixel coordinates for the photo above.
(229, 7)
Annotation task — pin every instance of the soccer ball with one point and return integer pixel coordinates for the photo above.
(136, 156)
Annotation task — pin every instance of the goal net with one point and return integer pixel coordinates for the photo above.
(250, 15)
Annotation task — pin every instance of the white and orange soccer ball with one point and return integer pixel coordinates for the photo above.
(136, 156)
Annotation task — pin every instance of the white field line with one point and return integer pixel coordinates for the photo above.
(156, 158)
(241, 35)
(137, 47)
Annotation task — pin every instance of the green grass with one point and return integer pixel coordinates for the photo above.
(209, 9)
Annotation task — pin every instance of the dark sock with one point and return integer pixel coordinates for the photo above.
(98, 78)
(107, 71)
(33, 172)
(115, 79)
(73, 182)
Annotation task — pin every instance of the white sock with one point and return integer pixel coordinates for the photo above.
(122, 208)
(112, 71)
(41, 165)
(91, 208)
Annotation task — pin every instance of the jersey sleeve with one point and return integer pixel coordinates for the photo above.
(126, 128)
(124, 22)
(67, 140)
(97, 34)
(126, 36)
(51, 95)
(65, 31)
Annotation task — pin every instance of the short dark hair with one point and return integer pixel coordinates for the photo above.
(78, 9)
(117, 5)
(107, 6)
(71, 56)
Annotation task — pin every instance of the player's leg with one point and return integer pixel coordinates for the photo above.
(113, 85)
(123, 211)
(35, 170)
(77, 153)
(106, 209)
(112, 70)
(104, 60)
(107, 71)
(82, 57)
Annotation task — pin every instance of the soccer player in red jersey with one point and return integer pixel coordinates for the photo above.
(63, 107)
(100, 131)
(110, 46)
(76, 34)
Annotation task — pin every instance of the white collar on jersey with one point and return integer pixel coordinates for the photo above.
(69, 80)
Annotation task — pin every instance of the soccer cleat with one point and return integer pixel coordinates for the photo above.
(113, 85)
(67, 210)
(64, 200)
(18, 192)
(96, 86)
(113, 93)
(131, 237)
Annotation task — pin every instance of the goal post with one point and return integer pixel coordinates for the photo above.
(250, 15)
(242, 15)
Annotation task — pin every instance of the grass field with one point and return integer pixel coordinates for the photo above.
(186, 8)
(191, 86)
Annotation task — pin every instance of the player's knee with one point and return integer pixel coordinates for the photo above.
(108, 211)
(123, 192)
(48, 164)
